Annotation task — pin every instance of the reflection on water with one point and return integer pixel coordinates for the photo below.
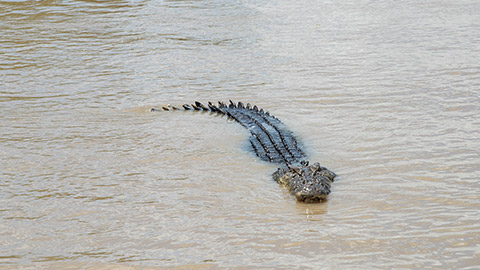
(384, 94)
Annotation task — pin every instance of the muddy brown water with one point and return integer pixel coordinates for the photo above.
(386, 94)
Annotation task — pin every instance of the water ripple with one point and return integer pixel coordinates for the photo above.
(383, 93)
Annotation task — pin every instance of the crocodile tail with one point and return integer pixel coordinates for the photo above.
(196, 106)
(269, 139)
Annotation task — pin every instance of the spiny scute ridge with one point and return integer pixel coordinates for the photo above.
(198, 106)
(201, 106)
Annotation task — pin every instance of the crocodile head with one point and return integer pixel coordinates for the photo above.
(308, 183)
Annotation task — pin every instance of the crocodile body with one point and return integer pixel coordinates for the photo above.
(271, 141)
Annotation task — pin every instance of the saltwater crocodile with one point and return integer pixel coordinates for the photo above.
(272, 142)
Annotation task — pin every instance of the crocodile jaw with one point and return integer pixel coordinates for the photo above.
(306, 198)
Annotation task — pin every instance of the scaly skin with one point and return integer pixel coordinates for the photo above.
(273, 142)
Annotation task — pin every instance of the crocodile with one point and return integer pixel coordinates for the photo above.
(271, 141)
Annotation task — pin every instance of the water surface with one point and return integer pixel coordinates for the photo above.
(386, 94)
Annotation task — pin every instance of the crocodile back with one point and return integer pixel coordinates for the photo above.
(270, 139)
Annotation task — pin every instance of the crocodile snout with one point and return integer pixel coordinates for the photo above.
(310, 198)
